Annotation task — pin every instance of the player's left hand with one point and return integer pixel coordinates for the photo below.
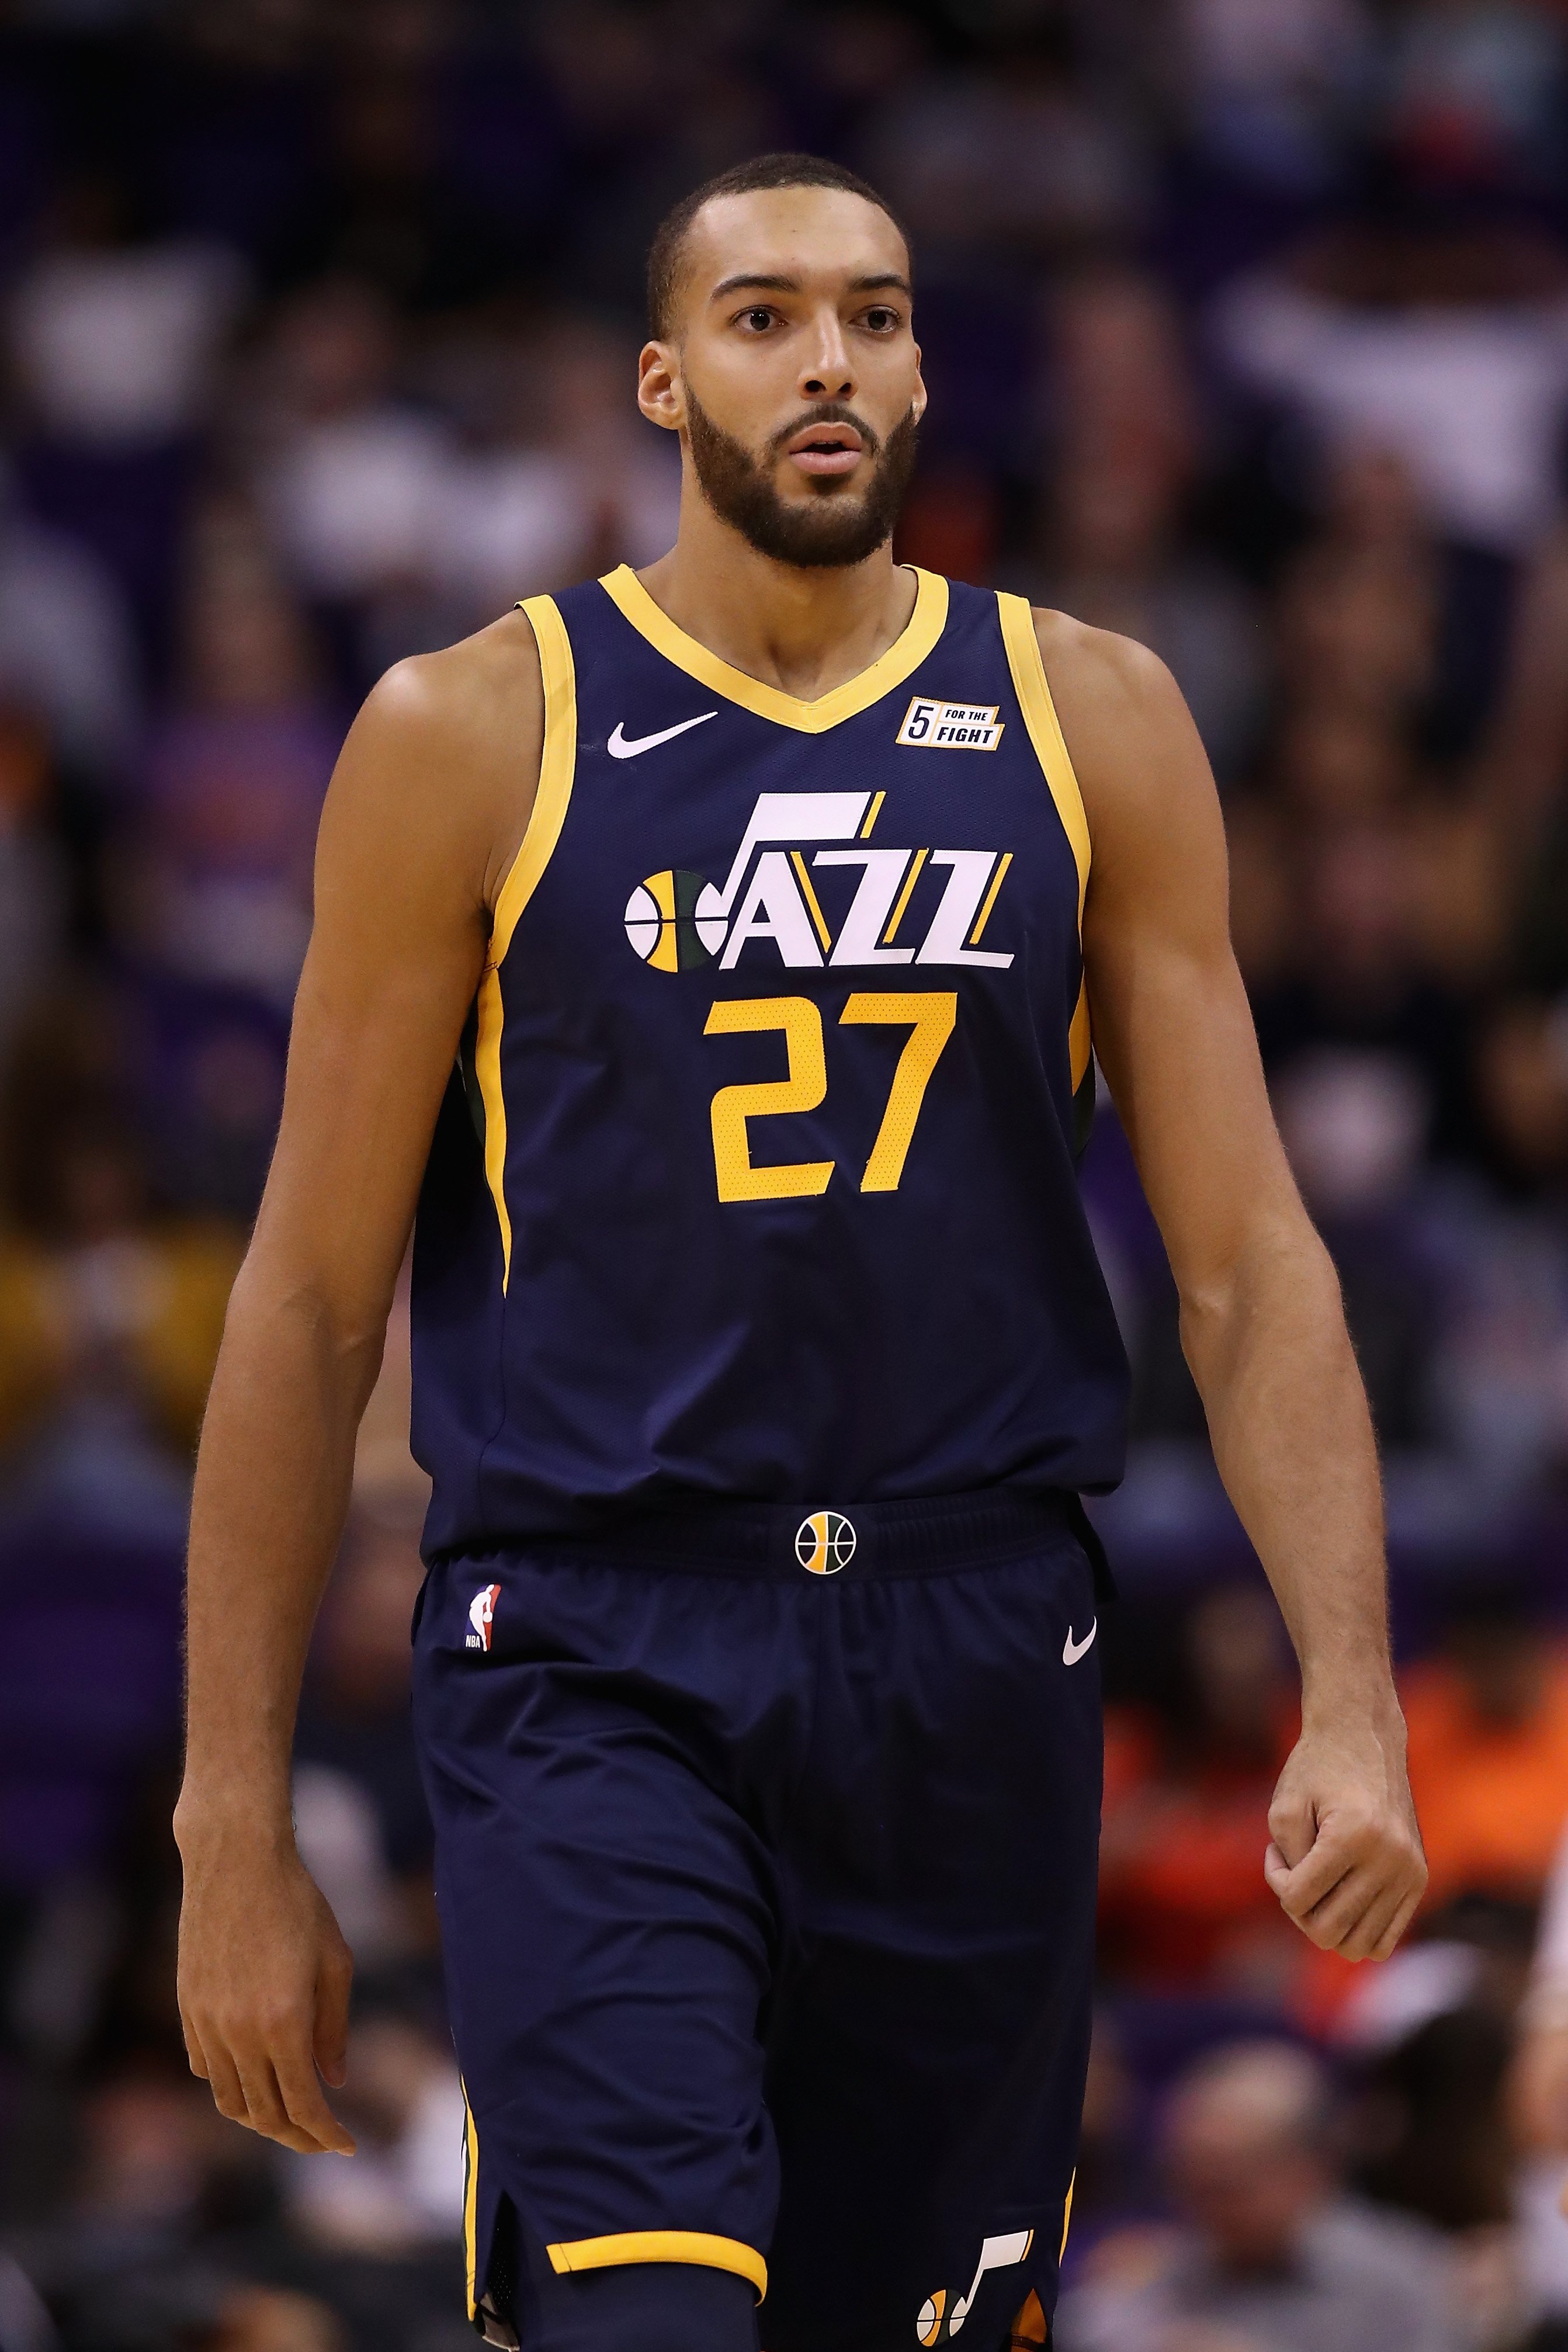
(1345, 1856)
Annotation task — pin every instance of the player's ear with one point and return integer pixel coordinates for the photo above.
(660, 395)
(918, 405)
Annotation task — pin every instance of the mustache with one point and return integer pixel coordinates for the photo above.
(827, 412)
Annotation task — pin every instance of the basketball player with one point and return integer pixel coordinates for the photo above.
(714, 954)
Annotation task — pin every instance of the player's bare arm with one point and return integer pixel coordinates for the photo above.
(423, 818)
(1262, 1323)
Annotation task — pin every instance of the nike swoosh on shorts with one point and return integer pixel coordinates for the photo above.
(622, 746)
(1073, 1650)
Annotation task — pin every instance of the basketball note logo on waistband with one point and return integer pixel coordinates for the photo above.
(825, 1543)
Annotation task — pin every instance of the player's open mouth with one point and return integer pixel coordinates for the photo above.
(826, 449)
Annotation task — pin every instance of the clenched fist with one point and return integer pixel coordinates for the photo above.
(1345, 1859)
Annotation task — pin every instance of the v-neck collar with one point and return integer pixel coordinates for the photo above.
(904, 655)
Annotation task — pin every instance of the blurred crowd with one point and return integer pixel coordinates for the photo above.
(1245, 324)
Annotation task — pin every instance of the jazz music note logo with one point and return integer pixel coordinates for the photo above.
(939, 2320)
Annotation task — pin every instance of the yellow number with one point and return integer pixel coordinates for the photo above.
(932, 1015)
(803, 1090)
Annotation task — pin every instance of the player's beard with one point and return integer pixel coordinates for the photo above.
(834, 525)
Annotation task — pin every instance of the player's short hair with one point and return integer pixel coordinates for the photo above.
(740, 180)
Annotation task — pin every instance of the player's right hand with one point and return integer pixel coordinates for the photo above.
(264, 1977)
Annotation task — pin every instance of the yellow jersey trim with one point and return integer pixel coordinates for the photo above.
(556, 768)
(471, 2203)
(1066, 2216)
(662, 2246)
(904, 655)
(1033, 690)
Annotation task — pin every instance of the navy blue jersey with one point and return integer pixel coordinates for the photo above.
(758, 1178)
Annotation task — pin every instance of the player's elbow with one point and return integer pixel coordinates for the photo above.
(1277, 1275)
(307, 1314)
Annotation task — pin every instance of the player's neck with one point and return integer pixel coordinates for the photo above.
(802, 630)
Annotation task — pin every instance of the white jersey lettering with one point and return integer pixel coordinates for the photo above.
(772, 909)
(955, 918)
(872, 904)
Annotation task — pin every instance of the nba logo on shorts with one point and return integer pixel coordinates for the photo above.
(825, 1543)
(481, 1616)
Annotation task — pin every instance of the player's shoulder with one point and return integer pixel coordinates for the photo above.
(487, 686)
(1140, 764)
(442, 764)
(1118, 703)
(1100, 673)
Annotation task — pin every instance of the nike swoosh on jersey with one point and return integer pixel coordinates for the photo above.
(1073, 1650)
(622, 746)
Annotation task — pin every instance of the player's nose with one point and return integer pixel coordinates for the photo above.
(826, 374)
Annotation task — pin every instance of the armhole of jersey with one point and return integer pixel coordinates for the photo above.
(1033, 690)
(557, 764)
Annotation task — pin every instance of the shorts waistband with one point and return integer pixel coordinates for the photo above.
(926, 1537)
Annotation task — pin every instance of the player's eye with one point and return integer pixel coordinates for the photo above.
(758, 319)
(880, 319)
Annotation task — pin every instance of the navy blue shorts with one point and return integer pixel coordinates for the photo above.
(765, 1857)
